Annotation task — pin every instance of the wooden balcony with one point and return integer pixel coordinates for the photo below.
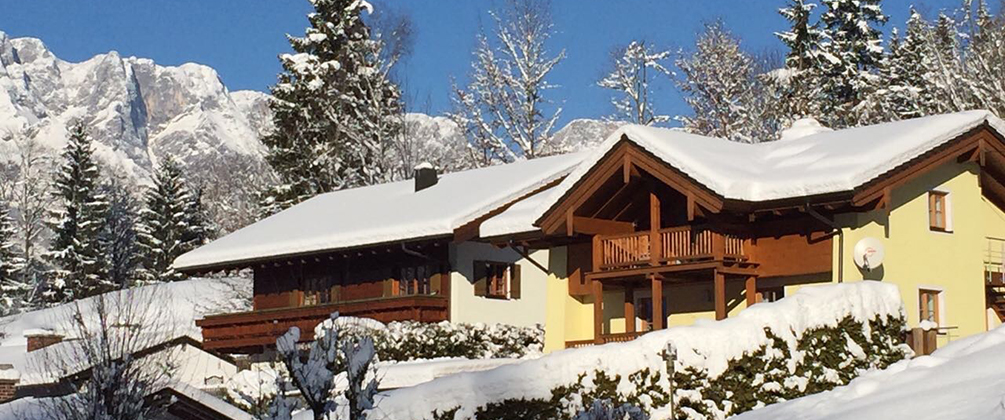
(671, 246)
(250, 331)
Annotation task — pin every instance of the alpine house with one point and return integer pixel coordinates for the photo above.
(653, 228)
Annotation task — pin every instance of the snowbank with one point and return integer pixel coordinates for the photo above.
(705, 347)
(964, 380)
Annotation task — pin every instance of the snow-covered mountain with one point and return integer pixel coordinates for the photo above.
(137, 111)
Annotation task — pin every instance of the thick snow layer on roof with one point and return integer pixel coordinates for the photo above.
(519, 218)
(173, 309)
(818, 163)
(964, 380)
(382, 213)
(704, 346)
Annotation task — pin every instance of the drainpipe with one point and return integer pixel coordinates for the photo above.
(840, 234)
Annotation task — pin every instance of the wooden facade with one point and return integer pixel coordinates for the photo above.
(388, 283)
(639, 225)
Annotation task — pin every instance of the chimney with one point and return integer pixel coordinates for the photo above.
(39, 339)
(425, 176)
(9, 377)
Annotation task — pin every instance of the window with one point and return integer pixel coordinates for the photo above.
(938, 202)
(772, 294)
(414, 280)
(497, 280)
(928, 305)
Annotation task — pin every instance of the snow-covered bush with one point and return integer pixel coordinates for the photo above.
(410, 340)
(339, 352)
(820, 337)
(604, 410)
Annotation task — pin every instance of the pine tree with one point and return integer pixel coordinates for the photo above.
(635, 68)
(76, 223)
(118, 238)
(8, 258)
(201, 228)
(334, 108)
(165, 232)
(850, 57)
(906, 93)
(803, 37)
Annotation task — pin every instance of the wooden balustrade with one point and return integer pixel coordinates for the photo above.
(676, 245)
(246, 330)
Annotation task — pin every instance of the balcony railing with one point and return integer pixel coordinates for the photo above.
(676, 245)
(247, 330)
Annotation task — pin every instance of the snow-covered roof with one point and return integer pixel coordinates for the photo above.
(819, 162)
(164, 311)
(381, 213)
(518, 218)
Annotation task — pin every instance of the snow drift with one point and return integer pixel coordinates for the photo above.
(707, 348)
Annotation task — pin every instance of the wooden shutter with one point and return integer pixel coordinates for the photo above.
(388, 287)
(481, 278)
(514, 281)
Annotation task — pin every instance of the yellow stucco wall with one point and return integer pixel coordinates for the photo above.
(920, 258)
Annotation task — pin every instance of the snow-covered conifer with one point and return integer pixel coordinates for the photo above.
(8, 256)
(635, 68)
(502, 108)
(905, 89)
(165, 231)
(334, 108)
(76, 222)
(118, 238)
(803, 36)
(850, 56)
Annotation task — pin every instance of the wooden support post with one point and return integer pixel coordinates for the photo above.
(655, 247)
(657, 286)
(598, 312)
(690, 207)
(598, 253)
(629, 308)
(720, 294)
(751, 290)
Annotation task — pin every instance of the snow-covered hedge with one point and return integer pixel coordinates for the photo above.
(818, 338)
(410, 340)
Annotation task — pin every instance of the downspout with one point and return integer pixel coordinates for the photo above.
(837, 230)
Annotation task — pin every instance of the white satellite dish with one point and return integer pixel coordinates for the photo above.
(868, 253)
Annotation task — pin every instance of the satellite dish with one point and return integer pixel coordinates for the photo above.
(868, 253)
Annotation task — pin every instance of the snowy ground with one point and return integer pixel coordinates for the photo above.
(964, 380)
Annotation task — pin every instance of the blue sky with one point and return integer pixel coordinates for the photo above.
(241, 39)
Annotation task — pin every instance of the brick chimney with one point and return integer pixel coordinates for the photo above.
(9, 377)
(38, 339)
(425, 176)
